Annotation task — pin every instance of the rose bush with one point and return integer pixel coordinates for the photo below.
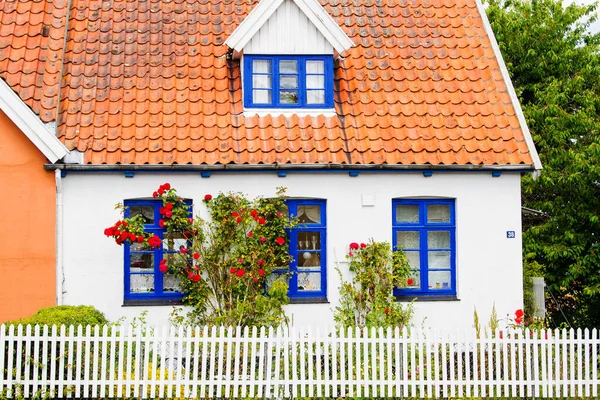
(224, 264)
(368, 300)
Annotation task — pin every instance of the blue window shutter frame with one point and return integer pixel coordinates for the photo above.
(154, 228)
(275, 84)
(296, 253)
(423, 227)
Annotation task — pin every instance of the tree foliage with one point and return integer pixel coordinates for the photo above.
(554, 64)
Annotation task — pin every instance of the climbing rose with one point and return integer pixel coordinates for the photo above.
(238, 219)
(519, 313)
(163, 266)
(353, 246)
(260, 263)
(409, 281)
(183, 249)
(161, 223)
(255, 280)
(196, 278)
(250, 234)
(350, 254)
(362, 245)
(140, 239)
(262, 221)
(232, 270)
(154, 241)
(191, 220)
(254, 213)
(207, 197)
(240, 272)
(235, 214)
(387, 311)
(196, 256)
(169, 206)
(155, 194)
(262, 239)
(109, 231)
(261, 272)
(166, 186)
(168, 213)
(280, 241)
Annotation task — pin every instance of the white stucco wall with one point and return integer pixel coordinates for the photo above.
(488, 263)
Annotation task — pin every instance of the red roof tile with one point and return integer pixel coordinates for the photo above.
(148, 82)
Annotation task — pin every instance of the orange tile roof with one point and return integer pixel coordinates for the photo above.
(148, 82)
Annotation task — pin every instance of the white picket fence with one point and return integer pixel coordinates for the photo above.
(77, 362)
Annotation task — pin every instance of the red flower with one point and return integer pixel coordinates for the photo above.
(168, 214)
(140, 239)
(255, 280)
(191, 220)
(109, 231)
(350, 254)
(261, 272)
(207, 197)
(169, 206)
(254, 213)
(240, 272)
(238, 219)
(519, 313)
(154, 241)
(161, 223)
(362, 245)
(250, 234)
(280, 241)
(161, 191)
(155, 194)
(235, 214)
(240, 260)
(166, 186)
(387, 311)
(191, 275)
(183, 249)
(260, 263)
(279, 214)
(232, 270)
(196, 278)
(163, 266)
(162, 210)
(262, 221)
(518, 320)
(124, 223)
(196, 256)
(409, 281)
(353, 246)
(262, 239)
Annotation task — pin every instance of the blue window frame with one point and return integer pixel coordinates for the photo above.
(308, 247)
(143, 279)
(426, 231)
(288, 81)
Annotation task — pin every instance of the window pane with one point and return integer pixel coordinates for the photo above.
(309, 241)
(261, 81)
(261, 96)
(438, 213)
(309, 260)
(288, 67)
(407, 213)
(139, 247)
(438, 239)
(315, 67)
(288, 82)
(141, 283)
(261, 66)
(174, 241)
(315, 82)
(414, 259)
(407, 240)
(439, 280)
(439, 259)
(141, 262)
(146, 211)
(315, 97)
(309, 214)
(170, 283)
(309, 281)
(288, 96)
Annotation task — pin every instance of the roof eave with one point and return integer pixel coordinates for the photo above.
(30, 124)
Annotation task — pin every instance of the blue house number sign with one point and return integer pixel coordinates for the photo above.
(510, 234)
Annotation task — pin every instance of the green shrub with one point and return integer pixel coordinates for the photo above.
(64, 315)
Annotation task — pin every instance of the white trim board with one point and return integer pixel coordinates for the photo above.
(311, 8)
(29, 123)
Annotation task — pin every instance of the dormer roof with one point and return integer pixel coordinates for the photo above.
(151, 82)
(266, 9)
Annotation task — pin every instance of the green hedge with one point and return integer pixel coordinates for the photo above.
(64, 315)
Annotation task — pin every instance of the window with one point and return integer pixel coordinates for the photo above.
(288, 81)
(425, 231)
(143, 279)
(308, 280)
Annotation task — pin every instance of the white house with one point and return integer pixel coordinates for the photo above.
(390, 120)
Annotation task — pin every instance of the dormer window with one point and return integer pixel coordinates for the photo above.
(288, 81)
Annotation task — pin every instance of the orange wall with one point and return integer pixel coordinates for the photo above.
(27, 226)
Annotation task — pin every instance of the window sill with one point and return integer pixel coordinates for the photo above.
(152, 302)
(446, 297)
(309, 300)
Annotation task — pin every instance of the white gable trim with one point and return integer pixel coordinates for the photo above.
(311, 8)
(537, 163)
(30, 124)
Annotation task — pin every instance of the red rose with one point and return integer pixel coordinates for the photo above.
(207, 197)
(166, 186)
(169, 206)
(362, 245)
(191, 220)
(161, 223)
(350, 254)
(140, 239)
(154, 241)
(124, 223)
(161, 191)
(168, 214)
(232, 270)
(280, 241)
(261, 272)
(353, 246)
(262, 221)
(155, 194)
(518, 320)
(190, 275)
(163, 268)
(409, 281)
(260, 263)
(387, 311)
(254, 213)
(196, 256)
(279, 214)
(262, 239)
(109, 231)
(250, 234)
(162, 210)
(183, 249)
(240, 272)
(235, 214)
(519, 313)
(196, 278)
(240, 260)
(255, 280)
(238, 219)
